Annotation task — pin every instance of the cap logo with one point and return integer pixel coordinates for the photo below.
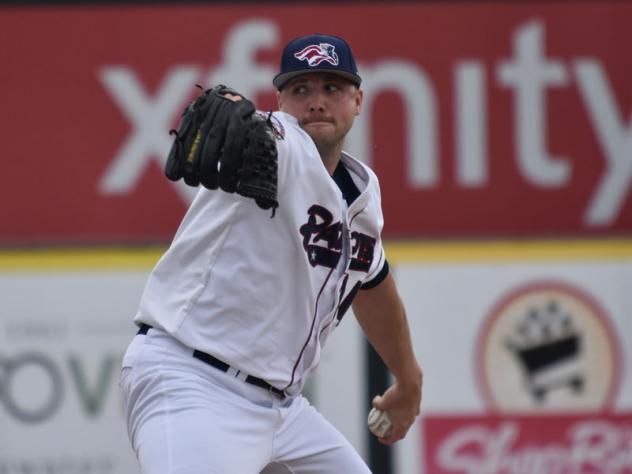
(315, 54)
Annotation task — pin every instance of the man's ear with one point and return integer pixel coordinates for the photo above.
(359, 97)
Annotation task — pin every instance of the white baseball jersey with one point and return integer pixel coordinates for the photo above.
(263, 293)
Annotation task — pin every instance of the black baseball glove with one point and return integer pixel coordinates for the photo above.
(226, 144)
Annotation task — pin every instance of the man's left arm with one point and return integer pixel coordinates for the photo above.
(380, 312)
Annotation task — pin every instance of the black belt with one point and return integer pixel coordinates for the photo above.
(223, 366)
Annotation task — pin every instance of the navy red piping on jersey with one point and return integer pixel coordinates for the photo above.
(311, 330)
(350, 193)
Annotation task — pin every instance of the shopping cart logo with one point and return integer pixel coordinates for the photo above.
(548, 346)
(548, 349)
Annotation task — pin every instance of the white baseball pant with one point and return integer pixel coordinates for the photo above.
(187, 417)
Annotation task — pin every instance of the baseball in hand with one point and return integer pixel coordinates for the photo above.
(379, 423)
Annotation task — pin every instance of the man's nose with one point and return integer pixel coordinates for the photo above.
(316, 103)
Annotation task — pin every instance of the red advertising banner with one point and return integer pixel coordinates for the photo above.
(558, 444)
(480, 119)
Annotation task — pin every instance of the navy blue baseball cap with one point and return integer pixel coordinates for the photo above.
(317, 53)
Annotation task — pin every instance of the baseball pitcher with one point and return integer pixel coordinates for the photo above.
(283, 237)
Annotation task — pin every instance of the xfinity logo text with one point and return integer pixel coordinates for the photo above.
(529, 74)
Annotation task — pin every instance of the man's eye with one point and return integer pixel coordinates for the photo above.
(299, 90)
(332, 87)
